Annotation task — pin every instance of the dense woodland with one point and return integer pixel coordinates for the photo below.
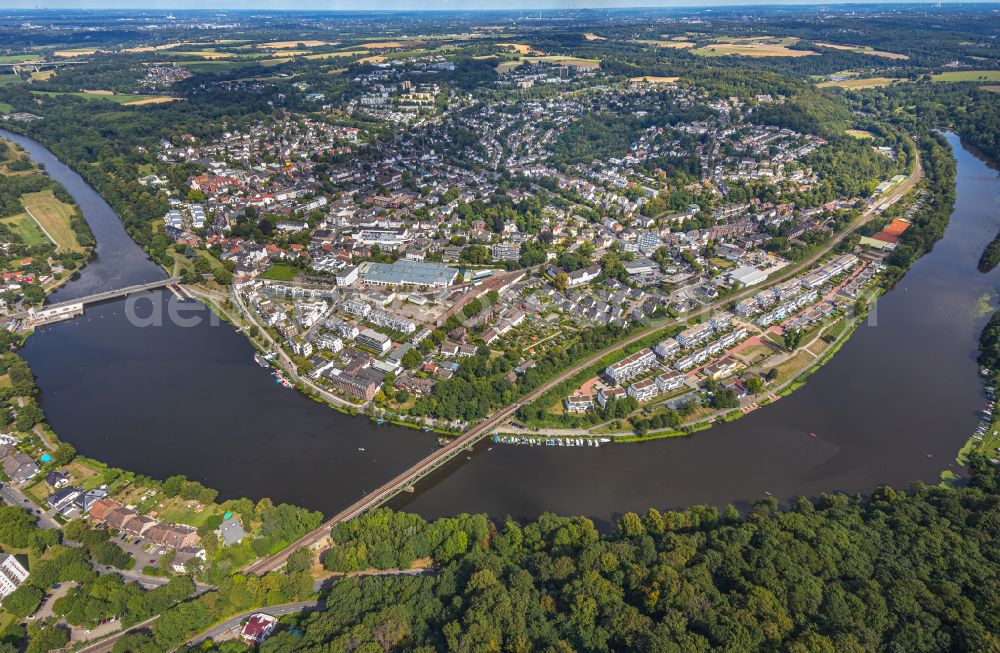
(898, 571)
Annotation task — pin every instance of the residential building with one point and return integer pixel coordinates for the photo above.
(631, 366)
(363, 384)
(579, 403)
(643, 390)
(391, 321)
(694, 335)
(372, 339)
(670, 381)
(667, 349)
(605, 395)
(258, 628)
(12, 574)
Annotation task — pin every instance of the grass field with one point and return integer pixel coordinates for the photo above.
(387, 45)
(863, 49)
(333, 55)
(859, 133)
(54, 216)
(676, 45)
(590, 36)
(42, 75)
(26, 228)
(285, 45)
(967, 76)
(860, 82)
(557, 59)
(281, 272)
(5, 107)
(750, 49)
(507, 66)
(18, 58)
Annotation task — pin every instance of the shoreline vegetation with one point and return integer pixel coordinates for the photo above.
(991, 255)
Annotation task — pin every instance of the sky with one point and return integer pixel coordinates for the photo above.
(390, 5)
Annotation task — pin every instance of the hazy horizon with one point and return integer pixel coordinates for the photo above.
(427, 5)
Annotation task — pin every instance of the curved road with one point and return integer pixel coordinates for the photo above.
(473, 435)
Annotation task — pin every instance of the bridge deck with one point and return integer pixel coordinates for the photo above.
(101, 296)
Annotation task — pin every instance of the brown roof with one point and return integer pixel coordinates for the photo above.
(119, 517)
(172, 535)
(139, 525)
(99, 511)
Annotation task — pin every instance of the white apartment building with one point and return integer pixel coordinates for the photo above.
(12, 574)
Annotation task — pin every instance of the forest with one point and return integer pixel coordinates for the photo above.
(912, 571)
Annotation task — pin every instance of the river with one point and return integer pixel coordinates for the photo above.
(892, 407)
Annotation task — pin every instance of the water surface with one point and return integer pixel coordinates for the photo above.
(892, 407)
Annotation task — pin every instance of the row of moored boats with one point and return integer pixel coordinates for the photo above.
(534, 441)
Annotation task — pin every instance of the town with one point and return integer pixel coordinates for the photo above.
(369, 285)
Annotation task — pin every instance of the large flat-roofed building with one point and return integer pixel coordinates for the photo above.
(374, 340)
(407, 273)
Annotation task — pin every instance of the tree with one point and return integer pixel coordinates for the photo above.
(793, 337)
(412, 358)
(561, 281)
(23, 601)
(754, 384)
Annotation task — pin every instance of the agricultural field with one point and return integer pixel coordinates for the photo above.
(79, 52)
(676, 45)
(859, 133)
(54, 217)
(388, 45)
(285, 45)
(860, 82)
(967, 76)
(653, 79)
(590, 36)
(863, 49)
(995, 89)
(752, 47)
(125, 100)
(520, 48)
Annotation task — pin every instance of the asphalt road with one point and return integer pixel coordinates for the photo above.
(234, 622)
(14, 497)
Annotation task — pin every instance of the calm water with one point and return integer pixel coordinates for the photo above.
(893, 406)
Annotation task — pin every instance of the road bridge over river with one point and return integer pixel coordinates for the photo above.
(62, 310)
